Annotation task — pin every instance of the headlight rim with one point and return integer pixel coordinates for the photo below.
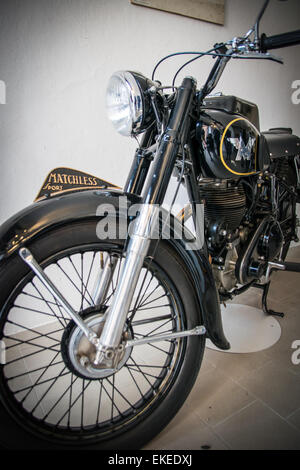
(135, 91)
(142, 114)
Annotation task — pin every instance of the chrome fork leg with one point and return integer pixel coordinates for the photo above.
(138, 246)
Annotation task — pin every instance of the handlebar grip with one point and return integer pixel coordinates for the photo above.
(280, 40)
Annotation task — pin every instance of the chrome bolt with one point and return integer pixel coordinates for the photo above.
(84, 361)
(109, 354)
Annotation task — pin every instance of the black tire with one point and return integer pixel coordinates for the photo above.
(24, 428)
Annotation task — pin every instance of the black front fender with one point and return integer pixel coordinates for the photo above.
(45, 215)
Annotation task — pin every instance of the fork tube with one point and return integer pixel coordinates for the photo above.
(144, 224)
(137, 250)
(162, 169)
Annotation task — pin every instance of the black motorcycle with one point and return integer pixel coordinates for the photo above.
(106, 298)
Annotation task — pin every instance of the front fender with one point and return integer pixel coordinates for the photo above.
(45, 215)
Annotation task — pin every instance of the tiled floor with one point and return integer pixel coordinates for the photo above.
(246, 401)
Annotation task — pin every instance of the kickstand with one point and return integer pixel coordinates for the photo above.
(265, 288)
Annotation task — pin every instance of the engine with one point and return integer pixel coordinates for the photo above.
(248, 222)
(225, 208)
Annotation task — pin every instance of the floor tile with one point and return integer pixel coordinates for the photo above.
(237, 366)
(186, 432)
(295, 419)
(294, 254)
(216, 396)
(281, 353)
(257, 428)
(207, 363)
(276, 386)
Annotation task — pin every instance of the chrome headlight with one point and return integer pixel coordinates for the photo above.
(128, 105)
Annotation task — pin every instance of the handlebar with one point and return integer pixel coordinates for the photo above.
(280, 40)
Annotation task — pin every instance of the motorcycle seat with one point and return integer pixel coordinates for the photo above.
(281, 142)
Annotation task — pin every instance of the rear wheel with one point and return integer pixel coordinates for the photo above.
(51, 394)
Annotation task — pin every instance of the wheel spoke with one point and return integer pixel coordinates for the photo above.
(144, 373)
(30, 343)
(89, 275)
(99, 402)
(144, 299)
(158, 348)
(151, 320)
(82, 403)
(73, 283)
(33, 371)
(120, 393)
(47, 335)
(152, 366)
(134, 380)
(158, 328)
(70, 397)
(151, 301)
(147, 308)
(42, 374)
(112, 398)
(38, 298)
(112, 403)
(50, 307)
(31, 387)
(81, 278)
(60, 398)
(61, 311)
(139, 297)
(34, 310)
(61, 374)
(74, 402)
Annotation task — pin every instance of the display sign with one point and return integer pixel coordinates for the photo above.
(207, 10)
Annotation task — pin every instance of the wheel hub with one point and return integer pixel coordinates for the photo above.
(79, 353)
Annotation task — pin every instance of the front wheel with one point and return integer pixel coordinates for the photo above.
(50, 396)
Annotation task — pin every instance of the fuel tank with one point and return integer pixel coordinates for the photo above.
(228, 137)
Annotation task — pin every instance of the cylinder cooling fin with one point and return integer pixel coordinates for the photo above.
(224, 204)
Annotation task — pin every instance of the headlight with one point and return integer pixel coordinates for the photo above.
(129, 107)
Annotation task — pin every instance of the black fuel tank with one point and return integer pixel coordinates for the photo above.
(234, 105)
(230, 142)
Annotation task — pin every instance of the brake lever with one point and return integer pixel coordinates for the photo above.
(258, 55)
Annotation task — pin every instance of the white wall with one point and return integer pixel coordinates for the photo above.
(56, 57)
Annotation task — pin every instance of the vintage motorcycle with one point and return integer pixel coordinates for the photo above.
(104, 317)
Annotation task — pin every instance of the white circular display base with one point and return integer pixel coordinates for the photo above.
(248, 329)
